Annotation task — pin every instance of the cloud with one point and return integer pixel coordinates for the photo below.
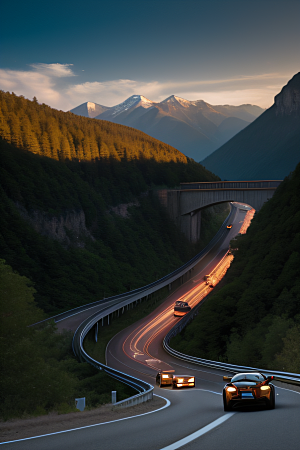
(45, 82)
(259, 89)
(54, 70)
(260, 97)
(31, 84)
(112, 92)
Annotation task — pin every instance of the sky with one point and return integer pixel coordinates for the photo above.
(67, 52)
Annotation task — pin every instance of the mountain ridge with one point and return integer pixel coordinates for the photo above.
(269, 148)
(189, 126)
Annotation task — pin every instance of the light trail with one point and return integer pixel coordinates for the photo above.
(247, 221)
(137, 344)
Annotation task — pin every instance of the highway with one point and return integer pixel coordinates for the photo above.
(194, 418)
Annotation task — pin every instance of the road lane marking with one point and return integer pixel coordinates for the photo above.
(198, 433)
(204, 371)
(285, 389)
(168, 403)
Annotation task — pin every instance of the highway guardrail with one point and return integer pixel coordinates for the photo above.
(145, 390)
(143, 291)
(283, 377)
(124, 300)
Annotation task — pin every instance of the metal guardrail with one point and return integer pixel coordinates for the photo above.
(145, 389)
(255, 184)
(121, 301)
(284, 377)
(143, 291)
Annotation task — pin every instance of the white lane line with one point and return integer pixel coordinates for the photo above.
(168, 403)
(191, 390)
(198, 433)
(207, 390)
(285, 389)
(201, 370)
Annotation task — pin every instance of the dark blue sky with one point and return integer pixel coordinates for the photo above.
(68, 52)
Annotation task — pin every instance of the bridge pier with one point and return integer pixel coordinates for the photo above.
(190, 225)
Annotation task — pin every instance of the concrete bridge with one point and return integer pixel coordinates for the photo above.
(185, 204)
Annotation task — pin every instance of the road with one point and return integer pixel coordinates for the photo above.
(195, 418)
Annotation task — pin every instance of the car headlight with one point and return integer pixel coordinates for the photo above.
(180, 380)
(265, 388)
(191, 380)
(231, 389)
(165, 376)
(179, 384)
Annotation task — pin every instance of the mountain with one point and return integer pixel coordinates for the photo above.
(230, 127)
(269, 148)
(190, 126)
(124, 108)
(244, 112)
(89, 109)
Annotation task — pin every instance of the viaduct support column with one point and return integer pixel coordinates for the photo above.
(190, 225)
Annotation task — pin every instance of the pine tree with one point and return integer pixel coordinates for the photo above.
(16, 133)
(29, 137)
(45, 145)
(54, 137)
(65, 149)
(4, 128)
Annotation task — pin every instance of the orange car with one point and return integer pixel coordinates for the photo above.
(164, 378)
(248, 389)
(183, 381)
(229, 226)
(167, 378)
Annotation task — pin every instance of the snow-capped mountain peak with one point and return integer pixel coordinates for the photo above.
(175, 100)
(91, 106)
(132, 102)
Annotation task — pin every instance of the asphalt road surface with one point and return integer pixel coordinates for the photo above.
(195, 418)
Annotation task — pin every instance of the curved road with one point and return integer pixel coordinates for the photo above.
(195, 419)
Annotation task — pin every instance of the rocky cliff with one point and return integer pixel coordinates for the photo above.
(268, 149)
(287, 102)
(68, 228)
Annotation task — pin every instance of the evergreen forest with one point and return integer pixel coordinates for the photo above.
(80, 219)
(39, 372)
(60, 220)
(65, 136)
(254, 319)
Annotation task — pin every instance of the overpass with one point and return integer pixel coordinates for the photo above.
(185, 204)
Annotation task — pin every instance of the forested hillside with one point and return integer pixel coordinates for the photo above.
(39, 372)
(254, 319)
(79, 220)
(59, 135)
(86, 229)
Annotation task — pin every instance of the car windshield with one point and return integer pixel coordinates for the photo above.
(256, 377)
